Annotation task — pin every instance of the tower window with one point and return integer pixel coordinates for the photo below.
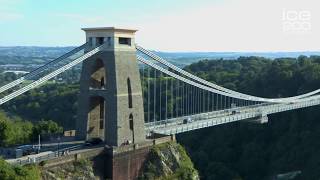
(101, 124)
(125, 41)
(90, 41)
(129, 93)
(101, 113)
(102, 83)
(131, 122)
(109, 41)
(99, 41)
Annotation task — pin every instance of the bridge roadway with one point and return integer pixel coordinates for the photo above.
(50, 155)
(203, 120)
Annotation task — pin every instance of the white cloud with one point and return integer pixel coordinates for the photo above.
(238, 25)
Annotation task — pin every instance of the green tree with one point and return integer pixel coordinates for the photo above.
(9, 172)
(14, 131)
(47, 127)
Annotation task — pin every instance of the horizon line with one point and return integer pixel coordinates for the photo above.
(164, 51)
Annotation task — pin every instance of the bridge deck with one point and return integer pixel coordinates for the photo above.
(177, 125)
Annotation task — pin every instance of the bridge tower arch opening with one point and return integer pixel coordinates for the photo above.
(96, 117)
(98, 75)
(110, 80)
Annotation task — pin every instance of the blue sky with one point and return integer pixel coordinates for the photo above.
(179, 25)
(58, 22)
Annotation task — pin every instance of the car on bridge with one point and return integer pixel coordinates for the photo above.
(28, 149)
(187, 120)
(93, 142)
(235, 112)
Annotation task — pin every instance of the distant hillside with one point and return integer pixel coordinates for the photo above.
(235, 55)
(178, 58)
(187, 58)
(34, 51)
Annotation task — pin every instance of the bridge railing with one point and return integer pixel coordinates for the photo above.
(200, 116)
(51, 155)
(248, 113)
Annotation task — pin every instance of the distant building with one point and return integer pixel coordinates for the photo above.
(287, 176)
(69, 133)
(16, 72)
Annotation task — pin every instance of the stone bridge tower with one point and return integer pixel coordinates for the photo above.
(110, 101)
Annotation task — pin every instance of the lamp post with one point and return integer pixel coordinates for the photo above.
(39, 145)
(58, 146)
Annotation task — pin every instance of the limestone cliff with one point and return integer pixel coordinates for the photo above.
(168, 161)
(163, 162)
(77, 170)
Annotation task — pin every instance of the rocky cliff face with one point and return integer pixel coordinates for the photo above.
(165, 161)
(168, 161)
(77, 170)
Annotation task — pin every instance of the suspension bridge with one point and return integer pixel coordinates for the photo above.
(162, 98)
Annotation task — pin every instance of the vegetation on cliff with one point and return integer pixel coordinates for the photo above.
(168, 161)
(9, 172)
(80, 169)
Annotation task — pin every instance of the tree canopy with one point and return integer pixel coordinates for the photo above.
(288, 143)
(9, 172)
(15, 131)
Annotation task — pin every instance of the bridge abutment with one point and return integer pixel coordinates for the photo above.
(115, 163)
(124, 163)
